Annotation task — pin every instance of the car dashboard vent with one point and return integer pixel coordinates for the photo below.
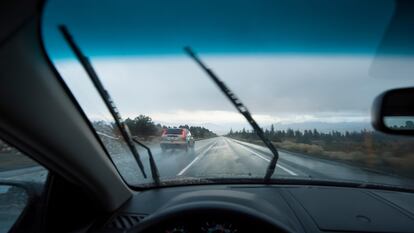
(125, 221)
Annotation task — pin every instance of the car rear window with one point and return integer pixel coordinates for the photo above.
(174, 131)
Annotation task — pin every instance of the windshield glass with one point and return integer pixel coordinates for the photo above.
(308, 71)
(173, 131)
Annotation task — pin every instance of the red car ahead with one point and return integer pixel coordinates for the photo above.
(173, 138)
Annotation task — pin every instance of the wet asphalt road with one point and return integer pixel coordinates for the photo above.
(225, 157)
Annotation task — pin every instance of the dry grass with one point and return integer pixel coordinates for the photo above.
(397, 159)
(300, 147)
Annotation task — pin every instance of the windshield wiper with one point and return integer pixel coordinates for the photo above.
(84, 61)
(154, 170)
(242, 109)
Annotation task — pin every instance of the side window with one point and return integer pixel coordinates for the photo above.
(16, 170)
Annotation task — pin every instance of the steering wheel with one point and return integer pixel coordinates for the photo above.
(194, 213)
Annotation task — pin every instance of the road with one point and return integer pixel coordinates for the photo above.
(225, 157)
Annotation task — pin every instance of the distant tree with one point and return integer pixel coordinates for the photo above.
(272, 129)
(316, 134)
(298, 134)
(267, 133)
(184, 126)
(201, 132)
(290, 133)
(142, 126)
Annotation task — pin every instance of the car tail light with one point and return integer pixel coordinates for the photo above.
(183, 134)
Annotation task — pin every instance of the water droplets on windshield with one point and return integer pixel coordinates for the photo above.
(311, 94)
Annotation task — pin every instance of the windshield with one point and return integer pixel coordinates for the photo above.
(173, 131)
(308, 72)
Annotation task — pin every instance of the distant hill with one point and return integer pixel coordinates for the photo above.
(326, 127)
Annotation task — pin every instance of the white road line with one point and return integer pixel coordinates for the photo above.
(195, 160)
(227, 143)
(268, 160)
(202, 147)
(106, 135)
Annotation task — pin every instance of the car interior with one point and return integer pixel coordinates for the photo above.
(83, 191)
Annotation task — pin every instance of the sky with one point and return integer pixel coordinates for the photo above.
(173, 90)
(288, 61)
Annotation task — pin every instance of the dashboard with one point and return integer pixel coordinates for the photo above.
(266, 208)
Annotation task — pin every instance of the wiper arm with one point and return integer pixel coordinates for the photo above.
(84, 61)
(242, 109)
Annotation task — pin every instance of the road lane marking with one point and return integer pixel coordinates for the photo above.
(195, 160)
(106, 135)
(203, 147)
(221, 147)
(227, 143)
(268, 160)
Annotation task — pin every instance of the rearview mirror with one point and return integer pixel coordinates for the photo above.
(393, 112)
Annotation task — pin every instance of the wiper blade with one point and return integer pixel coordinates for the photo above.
(242, 109)
(154, 170)
(84, 61)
